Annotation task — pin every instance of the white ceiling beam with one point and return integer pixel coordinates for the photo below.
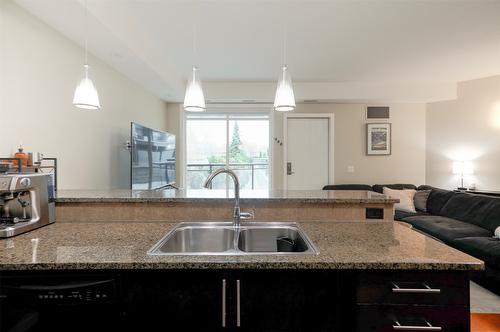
(333, 91)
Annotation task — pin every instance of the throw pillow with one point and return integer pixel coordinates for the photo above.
(405, 197)
(420, 200)
(497, 232)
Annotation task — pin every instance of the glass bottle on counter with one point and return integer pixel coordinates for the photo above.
(21, 155)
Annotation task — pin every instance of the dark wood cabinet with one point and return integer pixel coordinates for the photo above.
(286, 301)
(431, 288)
(412, 300)
(412, 318)
(249, 300)
(269, 302)
(189, 300)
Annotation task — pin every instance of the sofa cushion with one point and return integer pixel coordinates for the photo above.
(399, 186)
(420, 200)
(491, 220)
(469, 208)
(405, 198)
(400, 215)
(484, 248)
(347, 187)
(446, 229)
(437, 199)
(425, 187)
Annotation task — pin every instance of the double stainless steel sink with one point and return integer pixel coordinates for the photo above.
(222, 238)
(233, 238)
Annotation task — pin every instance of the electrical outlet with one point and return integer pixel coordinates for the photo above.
(350, 169)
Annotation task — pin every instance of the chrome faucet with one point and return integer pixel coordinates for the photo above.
(237, 214)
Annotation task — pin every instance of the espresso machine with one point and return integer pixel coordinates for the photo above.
(27, 201)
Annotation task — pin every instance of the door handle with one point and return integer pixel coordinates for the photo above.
(427, 327)
(238, 303)
(223, 302)
(425, 290)
(289, 168)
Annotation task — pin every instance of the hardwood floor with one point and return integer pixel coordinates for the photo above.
(485, 310)
(485, 322)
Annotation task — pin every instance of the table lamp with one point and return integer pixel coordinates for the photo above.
(462, 168)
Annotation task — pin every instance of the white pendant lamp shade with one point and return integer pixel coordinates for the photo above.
(86, 96)
(194, 100)
(284, 101)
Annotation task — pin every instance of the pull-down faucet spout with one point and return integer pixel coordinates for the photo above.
(237, 214)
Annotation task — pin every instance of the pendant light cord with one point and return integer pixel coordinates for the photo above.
(284, 43)
(195, 51)
(86, 34)
(195, 34)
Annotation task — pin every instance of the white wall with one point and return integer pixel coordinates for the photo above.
(466, 129)
(39, 69)
(405, 165)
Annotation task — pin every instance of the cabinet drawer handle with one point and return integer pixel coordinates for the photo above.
(238, 303)
(429, 327)
(223, 302)
(425, 290)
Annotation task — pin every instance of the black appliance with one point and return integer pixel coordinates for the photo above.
(59, 303)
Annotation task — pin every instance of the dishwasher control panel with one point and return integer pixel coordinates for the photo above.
(59, 291)
(75, 296)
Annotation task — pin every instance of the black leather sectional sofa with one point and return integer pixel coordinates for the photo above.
(461, 220)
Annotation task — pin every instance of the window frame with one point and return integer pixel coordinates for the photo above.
(228, 112)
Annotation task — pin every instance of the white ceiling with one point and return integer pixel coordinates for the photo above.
(365, 41)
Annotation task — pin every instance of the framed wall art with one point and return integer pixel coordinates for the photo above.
(378, 139)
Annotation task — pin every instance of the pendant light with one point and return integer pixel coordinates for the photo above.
(194, 100)
(284, 100)
(86, 96)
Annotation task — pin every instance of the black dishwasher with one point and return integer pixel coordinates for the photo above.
(59, 302)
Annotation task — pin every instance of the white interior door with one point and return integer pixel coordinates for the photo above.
(308, 160)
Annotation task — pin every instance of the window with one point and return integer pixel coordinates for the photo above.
(238, 141)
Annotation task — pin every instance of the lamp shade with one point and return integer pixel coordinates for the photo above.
(194, 100)
(284, 101)
(86, 96)
(463, 168)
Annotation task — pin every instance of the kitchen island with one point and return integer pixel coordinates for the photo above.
(367, 276)
(177, 205)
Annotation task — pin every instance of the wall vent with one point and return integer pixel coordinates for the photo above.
(377, 112)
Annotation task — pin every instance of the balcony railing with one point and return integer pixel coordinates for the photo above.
(251, 175)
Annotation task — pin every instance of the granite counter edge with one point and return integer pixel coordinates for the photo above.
(245, 265)
(66, 200)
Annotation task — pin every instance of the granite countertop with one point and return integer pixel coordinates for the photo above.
(341, 245)
(205, 195)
